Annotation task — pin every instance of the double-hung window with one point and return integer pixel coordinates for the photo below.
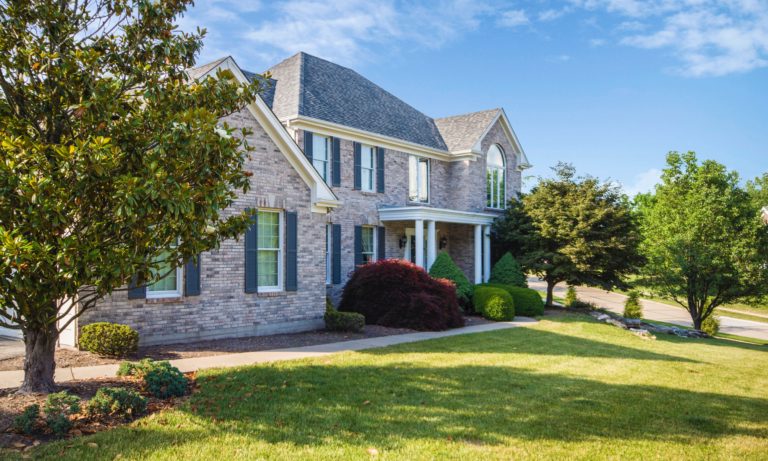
(321, 154)
(495, 177)
(368, 244)
(270, 253)
(170, 285)
(418, 179)
(367, 168)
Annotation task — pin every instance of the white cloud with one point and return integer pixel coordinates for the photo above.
(643, 182)
(552, 14)
(597, 42)
(513, 18)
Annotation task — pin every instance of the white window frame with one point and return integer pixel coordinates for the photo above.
(371, 187)
(325, 171)
(497, 202)
(159, 294)
(328, 252)
(420, 181)
(374, 245)
(280, 253)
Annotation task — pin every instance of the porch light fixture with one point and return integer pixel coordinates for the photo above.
(443, 242)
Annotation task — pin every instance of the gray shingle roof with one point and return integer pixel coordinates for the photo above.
(314, 87)
(197, 72)
(461, 132)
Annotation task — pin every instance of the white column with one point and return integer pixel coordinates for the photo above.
(431, 245)
(478, 253)
(486, 253)
(419, 236)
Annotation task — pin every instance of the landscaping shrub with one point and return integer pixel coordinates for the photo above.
(632, 307)
(710, 325)
(445, 268)
(161, 379)
(528, 301)
(342, 321)
(508, 272)
(117, 401)
(494, 303)
(58, 407)
(109, 339)
(570, 297)
(25, 422)
(399, 294)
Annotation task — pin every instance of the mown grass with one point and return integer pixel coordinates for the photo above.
(565, 388)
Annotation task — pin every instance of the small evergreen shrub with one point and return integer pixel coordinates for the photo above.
(400, 294)
(57, 408)
(109, 339)
(342, 321)
(161, 379)
(507, 271)
(494, 303)
(528, 301)
(570, 297)
(25, 422)
(632, 307)
(710, 325)
(445, 268)
(117, 401)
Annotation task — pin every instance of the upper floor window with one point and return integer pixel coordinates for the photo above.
(496, 177)
(418, 179)
(367, 168)
(321, 153)
(170, 285)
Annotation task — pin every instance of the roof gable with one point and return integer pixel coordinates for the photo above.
(461, 132)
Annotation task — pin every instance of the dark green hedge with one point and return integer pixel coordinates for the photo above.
(494, 303)
(528, 301)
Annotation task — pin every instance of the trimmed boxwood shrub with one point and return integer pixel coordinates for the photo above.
(342, 321)
(117, 401)
(400, 294)
(161, 379)
(494, 303)
(445, 268)
(109, 339)
(528, 301)
(507, 271)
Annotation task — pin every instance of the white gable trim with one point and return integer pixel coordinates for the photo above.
(522, 163)
(323, 197)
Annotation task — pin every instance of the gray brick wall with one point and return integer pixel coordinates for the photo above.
(223, 309)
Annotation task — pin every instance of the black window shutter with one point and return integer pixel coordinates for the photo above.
(380, 170)
(135, 291)
(381, 253)
(358, 245)
(291, 263)
(357, 166)
(308, 145)
(251, 257)
(336, 166)
(192, 277)
(336, 254)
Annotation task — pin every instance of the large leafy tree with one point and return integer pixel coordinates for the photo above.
(703, 237)
(112, 163)
(572, 229)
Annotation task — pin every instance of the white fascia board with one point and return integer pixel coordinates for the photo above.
(302, 122)
(410, 213)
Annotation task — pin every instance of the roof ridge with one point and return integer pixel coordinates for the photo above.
(495, 109)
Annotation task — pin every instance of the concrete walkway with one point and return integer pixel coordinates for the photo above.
(653, 310)
(14, 378)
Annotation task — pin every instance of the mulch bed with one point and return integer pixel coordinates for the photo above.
(66, 358)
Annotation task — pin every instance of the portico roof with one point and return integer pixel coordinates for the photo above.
(412, 213)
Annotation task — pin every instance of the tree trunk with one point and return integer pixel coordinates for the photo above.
(550, 291)
(697, 321)
(39, 363)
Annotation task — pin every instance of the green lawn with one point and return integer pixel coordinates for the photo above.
(567, 387)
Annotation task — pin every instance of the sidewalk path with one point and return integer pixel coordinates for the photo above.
(653, 310)
(14, 378)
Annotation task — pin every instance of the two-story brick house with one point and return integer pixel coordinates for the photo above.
(344, 173)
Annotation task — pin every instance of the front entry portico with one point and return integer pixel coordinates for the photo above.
(422, 235)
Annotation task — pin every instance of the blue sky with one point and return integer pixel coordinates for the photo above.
(608, 85)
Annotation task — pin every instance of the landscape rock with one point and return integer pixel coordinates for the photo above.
(643, 333)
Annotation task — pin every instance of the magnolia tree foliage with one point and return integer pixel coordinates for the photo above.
(572, 229)
(703, 237)
(111, 161)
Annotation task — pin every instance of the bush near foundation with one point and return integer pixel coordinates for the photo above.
(528, 301)
(445, 268)
(507, 271)
(109, 339)
(494, 303)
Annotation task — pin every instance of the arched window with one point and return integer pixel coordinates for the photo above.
(496, 177)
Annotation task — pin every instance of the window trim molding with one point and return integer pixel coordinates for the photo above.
(163, 294)
(418, 181)
(497, 205)
(280, 253)
(374, 243)
(374, 153)
(325, 175)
